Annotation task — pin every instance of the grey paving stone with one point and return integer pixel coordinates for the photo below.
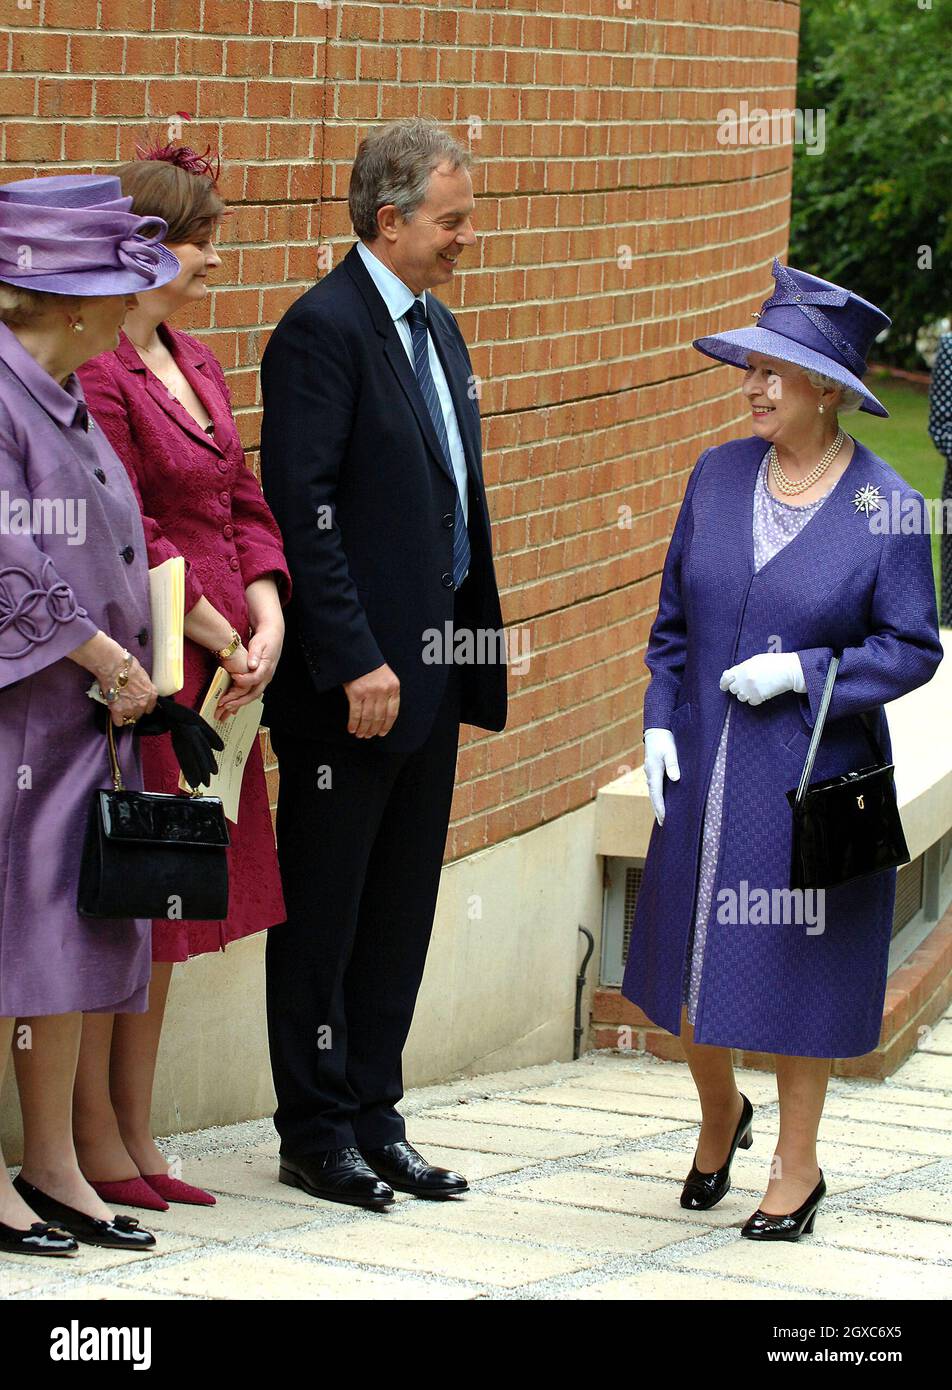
(809, 1265)
(510, 1218)
(393, 1245)
(557, 1117)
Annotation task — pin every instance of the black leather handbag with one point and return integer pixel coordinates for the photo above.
(152, 854)
(848, 826)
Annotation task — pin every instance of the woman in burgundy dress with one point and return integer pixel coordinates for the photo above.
(162, 401)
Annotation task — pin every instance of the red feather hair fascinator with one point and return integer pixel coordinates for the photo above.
(184, 158)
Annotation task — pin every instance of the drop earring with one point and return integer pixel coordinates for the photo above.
(78, 326)
(821, 407)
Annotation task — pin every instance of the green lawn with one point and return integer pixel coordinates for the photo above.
(903, 440)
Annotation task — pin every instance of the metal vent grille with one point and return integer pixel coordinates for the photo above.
(633, 876)
(908, 894)
(623, 879)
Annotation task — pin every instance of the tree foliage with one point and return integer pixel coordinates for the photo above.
(875, 205)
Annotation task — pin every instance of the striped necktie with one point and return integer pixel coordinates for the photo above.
(416, 316)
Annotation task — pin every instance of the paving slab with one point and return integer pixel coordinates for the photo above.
(887, 1235)
(911, 1116)
(109, 1293)
(928, 1071)
(514, 1219)
(893, 1138)
(628, 1102)
(938, 1039)
(667, 1284)
(749, 1175)
(610, 1125)
(889, 1094)
(669, 1079)
(813, 1267)
(261, 1275)
(919, 1203)
(395, 1245)
(248, 1174)
(631, 1195)
(534, 1142)
(234, 1217)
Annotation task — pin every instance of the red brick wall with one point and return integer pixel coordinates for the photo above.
(595, 137)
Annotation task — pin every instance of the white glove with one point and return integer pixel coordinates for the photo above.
(760, 678)
(661, 756)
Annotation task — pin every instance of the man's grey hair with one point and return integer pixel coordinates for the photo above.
(394, 164)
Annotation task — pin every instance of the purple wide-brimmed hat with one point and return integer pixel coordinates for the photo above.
(813, 324)
(74, 234)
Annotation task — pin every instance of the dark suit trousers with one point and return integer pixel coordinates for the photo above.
(360, 866)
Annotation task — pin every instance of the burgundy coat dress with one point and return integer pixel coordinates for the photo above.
(198, 500)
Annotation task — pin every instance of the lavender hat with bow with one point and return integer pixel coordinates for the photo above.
(74, 234)
(813, 324)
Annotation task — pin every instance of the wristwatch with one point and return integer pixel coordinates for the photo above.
(122, 679)
(223, 653)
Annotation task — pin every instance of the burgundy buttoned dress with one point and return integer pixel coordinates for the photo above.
(198, 500)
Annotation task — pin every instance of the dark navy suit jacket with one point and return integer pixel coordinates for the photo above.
(355, 476)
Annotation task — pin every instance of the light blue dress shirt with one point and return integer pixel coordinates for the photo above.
(398, 297)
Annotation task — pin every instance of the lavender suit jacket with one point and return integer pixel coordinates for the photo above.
(60, 584)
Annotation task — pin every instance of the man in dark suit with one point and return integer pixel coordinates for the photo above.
(371, 462)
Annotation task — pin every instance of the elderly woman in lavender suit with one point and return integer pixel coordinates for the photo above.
(74, 606)
(774, 567)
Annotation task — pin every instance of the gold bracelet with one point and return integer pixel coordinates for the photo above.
(223, 653)
(122, 680)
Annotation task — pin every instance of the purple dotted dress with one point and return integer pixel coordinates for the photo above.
(775, 523)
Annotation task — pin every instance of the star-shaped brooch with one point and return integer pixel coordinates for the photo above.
(867, 499)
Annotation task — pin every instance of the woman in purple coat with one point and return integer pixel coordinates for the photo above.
(778, 562)
(73, 597)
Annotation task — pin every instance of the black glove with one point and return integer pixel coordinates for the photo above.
(192, 737)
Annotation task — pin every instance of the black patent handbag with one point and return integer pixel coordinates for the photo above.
(152, 854)
(847, 826)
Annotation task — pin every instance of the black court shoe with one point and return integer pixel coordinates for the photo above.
(702, 1191)
(792, 1225)
(40, 1239)
(121, 1233)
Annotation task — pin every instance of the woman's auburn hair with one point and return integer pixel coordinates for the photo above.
(189, 202)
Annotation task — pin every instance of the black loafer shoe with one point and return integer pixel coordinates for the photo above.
(791, 1225)
(407, 1171)
(40, 1239)
(121, 1233)
(337, 1175)
(702, 1191)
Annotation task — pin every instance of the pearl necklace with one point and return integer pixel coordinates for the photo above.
(790, 488)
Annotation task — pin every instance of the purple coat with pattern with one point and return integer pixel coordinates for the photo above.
(837, 588)
(55, 595)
